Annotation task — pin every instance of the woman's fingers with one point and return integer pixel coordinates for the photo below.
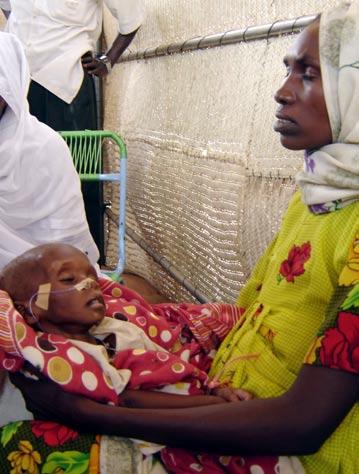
(243, 395)
(232, 395)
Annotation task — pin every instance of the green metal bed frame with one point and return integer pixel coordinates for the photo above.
(86, 148)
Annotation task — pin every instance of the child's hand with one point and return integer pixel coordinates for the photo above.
(232, 394)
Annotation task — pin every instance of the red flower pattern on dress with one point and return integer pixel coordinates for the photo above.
(293, 266)
(53, 433)
(340, 345)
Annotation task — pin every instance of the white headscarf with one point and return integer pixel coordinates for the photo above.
(40, 195)
(330, 179)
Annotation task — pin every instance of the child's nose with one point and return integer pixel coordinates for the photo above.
(92, 283)
(86, 284)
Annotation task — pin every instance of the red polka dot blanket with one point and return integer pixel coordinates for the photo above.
(186, 335)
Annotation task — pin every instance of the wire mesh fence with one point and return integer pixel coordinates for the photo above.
(208, 181)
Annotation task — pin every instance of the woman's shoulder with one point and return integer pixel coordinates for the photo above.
(51, 138)
(295, 209)
(342, 216)
(47, 147)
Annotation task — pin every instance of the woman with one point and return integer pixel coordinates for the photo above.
(301, 299)
(40, 195)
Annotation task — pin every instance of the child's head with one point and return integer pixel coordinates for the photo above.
(55, 288)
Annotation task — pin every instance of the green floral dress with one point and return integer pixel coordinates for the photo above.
(288, 301)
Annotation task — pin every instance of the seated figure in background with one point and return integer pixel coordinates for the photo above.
(40, 192)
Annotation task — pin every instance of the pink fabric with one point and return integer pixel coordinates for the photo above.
(179, 461)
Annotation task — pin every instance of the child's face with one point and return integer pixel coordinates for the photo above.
(71, 310)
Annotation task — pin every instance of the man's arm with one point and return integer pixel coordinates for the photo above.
(119, 45)
(129, 16)
(298, 422)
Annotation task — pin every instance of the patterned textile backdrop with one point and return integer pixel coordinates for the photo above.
(208, 180)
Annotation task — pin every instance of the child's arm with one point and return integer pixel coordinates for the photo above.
(151, 399)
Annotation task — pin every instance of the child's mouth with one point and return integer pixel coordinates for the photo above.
(96, 303)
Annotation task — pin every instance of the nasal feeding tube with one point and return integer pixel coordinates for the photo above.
(44, 291)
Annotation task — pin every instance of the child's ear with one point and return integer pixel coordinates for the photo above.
(23, 309)
(20, 306)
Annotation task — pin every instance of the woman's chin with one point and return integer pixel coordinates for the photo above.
(291, 143)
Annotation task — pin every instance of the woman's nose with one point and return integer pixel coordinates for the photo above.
(285, 94)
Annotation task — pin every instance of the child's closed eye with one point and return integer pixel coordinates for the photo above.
(67, 279)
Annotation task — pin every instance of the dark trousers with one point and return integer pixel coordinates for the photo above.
(79, 115)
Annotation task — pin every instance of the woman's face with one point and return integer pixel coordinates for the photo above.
(302, 117)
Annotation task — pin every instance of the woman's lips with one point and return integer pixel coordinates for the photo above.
(285, 126)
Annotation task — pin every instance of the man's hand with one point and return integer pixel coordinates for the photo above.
(97, 67)
(94, 66)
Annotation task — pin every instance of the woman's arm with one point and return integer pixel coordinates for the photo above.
(152, 399)
(298, 422)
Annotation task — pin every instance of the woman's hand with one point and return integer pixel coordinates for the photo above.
(231, 394)
(47, 401)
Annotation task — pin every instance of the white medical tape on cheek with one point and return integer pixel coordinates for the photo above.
(85, 284)
(43, 295)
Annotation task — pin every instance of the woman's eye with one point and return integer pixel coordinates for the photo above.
(309, 74)
(308, 77)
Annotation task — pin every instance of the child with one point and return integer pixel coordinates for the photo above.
(56, 290)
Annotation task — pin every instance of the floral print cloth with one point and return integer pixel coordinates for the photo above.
(32, 447)
(337, 343)
(42, 446)
(293, 266)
